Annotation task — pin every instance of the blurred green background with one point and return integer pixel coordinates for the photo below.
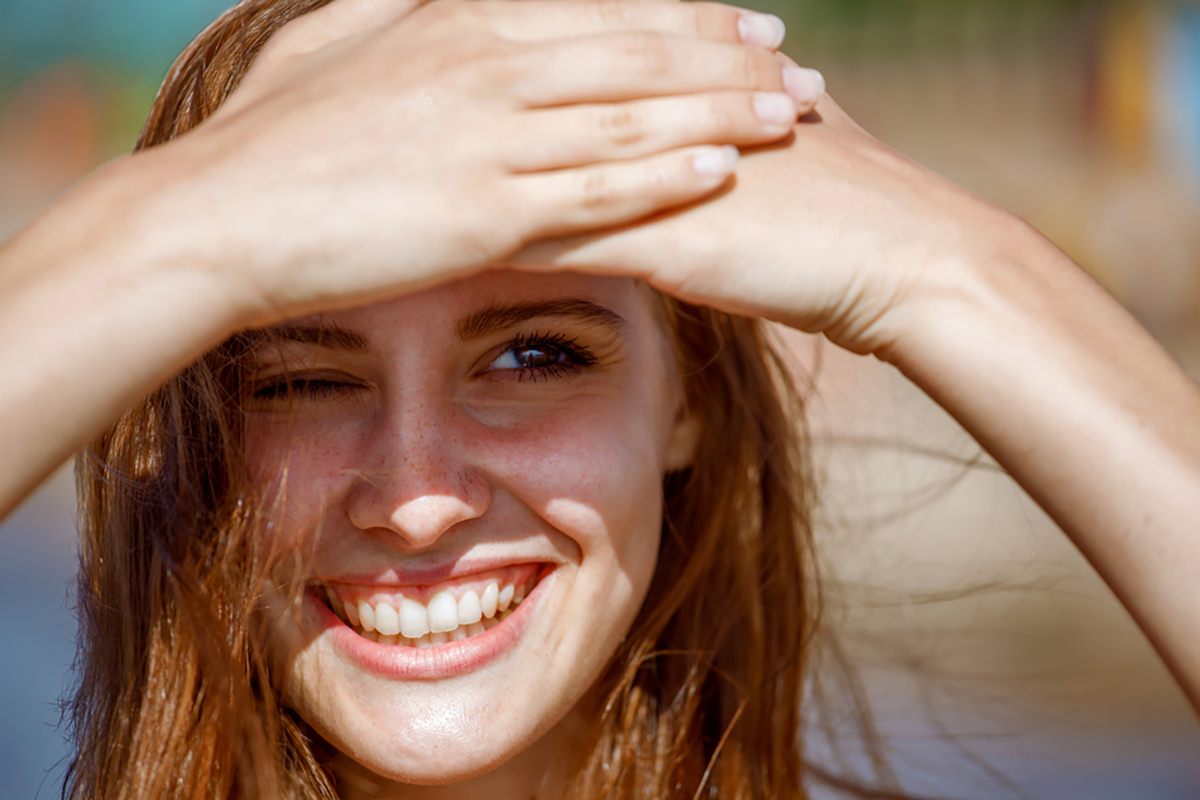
(999, 664)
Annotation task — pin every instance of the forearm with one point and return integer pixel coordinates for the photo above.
(1086, 412)
(101, 300)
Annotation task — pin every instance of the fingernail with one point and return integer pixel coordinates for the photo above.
(775, 108)
(804, 85)
(765, 30)
(716, 162)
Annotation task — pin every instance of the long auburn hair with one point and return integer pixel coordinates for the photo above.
(711, 691)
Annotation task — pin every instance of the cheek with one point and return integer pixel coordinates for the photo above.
(298, 473)
(595, 476)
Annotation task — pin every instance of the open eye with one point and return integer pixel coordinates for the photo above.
(532, 357)
(539, 356)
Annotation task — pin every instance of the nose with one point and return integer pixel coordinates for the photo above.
(417, 481)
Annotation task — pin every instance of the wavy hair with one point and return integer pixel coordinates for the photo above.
(710, 693)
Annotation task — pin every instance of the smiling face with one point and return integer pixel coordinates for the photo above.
(476, 473)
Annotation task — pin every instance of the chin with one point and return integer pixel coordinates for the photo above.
(445, 750)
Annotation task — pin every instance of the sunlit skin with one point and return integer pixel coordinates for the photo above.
(328, 182)
(424, 448)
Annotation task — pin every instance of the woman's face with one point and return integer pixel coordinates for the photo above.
(447, 453)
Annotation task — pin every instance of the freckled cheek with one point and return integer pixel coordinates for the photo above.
(596, 478)
(299, 474)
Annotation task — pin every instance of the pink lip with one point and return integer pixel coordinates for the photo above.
(430, 663)
(428, 576)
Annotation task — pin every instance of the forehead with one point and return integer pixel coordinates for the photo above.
(473, 307)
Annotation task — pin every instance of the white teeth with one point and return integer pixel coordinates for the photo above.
(387, 621)
(366, 616)
(506, 596)
(469, 610)
(414, 622)
(443, 620)
(443, 613)
(435, 638)
(488, 602)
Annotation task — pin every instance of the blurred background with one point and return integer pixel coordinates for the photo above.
(998, 663)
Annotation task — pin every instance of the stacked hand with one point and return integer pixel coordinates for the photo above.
(828, 231)
(375, 148)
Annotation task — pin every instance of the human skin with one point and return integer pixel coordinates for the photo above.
(829, 232)
(426, 454)
(835, 233)
(373, 149)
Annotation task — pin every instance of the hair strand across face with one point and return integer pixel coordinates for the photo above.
(177, 698)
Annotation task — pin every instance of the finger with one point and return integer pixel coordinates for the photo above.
(577, 135)
(805, 84)
(575, 200)
(556, 20)
(630, 66)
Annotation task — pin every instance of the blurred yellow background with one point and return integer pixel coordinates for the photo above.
(999, 664)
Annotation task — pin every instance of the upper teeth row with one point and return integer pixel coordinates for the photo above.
(413, 620)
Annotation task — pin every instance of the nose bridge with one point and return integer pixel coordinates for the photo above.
(414, 436)
(418, 480)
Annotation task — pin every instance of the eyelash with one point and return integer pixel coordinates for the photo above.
(308, 388)
(578, 357)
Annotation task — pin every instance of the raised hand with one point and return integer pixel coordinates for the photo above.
(829, 231)
(833, 232)
(359, 161)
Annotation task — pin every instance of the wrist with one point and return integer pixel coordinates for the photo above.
(123, 252)
(181, 233)
(999, 274)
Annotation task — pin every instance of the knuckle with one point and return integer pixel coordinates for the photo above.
(622, 125)
(596, 190)
(722, 115)
(748, 68)
(659, 179)
(614, 14)
(713, 21)
(449, 13)
(493, 71)
(758, 69)
(291, 39)
(651, 53)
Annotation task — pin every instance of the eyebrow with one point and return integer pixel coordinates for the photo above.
(473, 326)
(498, 317)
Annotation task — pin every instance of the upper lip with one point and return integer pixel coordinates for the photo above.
(428, 574)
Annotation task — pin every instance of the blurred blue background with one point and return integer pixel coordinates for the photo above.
(1081, 116)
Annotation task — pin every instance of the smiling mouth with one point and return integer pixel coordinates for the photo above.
(427, 616)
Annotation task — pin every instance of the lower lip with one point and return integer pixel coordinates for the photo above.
(438, 661)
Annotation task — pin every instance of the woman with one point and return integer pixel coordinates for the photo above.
(398, 528)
